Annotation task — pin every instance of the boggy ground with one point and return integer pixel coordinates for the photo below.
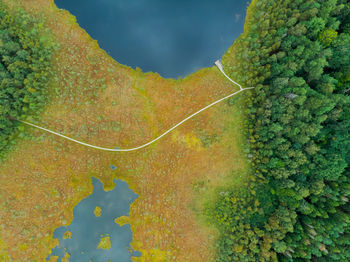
(97, 100)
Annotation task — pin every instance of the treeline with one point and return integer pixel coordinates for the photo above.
(25, 56)
(296, 204)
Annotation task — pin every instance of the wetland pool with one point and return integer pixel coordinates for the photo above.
(93, 227)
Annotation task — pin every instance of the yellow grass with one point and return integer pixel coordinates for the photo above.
(97, 100)
(97, 211)
(105, 243)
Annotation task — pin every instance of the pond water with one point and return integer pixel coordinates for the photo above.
(171, 37)
(94, 221)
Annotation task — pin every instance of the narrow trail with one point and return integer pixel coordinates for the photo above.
(217, 63)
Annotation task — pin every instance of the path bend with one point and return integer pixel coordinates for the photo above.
(218, 64)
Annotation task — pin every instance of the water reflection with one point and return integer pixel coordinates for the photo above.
(172, 37)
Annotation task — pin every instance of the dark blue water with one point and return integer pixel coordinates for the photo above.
(87, 229)
(171, 37)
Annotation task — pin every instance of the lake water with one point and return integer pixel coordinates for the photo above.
(87, 229)
(171, 37)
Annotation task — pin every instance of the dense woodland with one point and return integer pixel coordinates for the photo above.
(295, 206)
(24, 71)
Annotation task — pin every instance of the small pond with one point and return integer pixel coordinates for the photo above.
(171, 37)
(93, 234)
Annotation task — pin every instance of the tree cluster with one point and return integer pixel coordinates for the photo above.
(25, 57)
(296, 206)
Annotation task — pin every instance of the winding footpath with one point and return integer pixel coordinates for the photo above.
(217, 63)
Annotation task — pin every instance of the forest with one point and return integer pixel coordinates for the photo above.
(24, 71)
(295, 206)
